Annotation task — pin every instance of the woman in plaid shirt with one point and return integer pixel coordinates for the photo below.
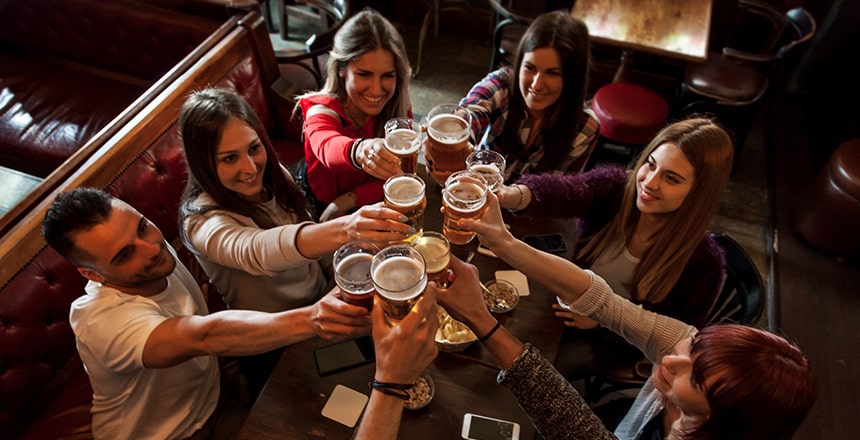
(533, 112)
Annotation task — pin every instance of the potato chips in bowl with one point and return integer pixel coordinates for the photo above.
(452, 335)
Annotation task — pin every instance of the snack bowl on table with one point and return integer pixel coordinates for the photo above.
(500, 296)
(421, 393)
(452, 335)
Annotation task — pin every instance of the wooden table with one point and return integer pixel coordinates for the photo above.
(290, 405)
(672, 28)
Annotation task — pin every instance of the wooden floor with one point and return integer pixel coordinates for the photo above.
(818, 297)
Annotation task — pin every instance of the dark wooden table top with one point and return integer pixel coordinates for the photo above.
(291, 403)
(673, 28)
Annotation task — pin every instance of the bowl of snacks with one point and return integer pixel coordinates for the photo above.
(421, 393)
(500, 296)
(452, 335)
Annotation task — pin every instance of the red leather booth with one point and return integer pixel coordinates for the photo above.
(44, 390)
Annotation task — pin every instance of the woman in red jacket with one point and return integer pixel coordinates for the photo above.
(366, 85)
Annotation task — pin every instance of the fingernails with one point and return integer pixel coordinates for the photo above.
(403, 218)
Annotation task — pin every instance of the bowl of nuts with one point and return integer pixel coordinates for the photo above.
(421, 393)
(452, 335)
(500, 296)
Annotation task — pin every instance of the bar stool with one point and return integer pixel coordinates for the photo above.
(830, 217)
(629, 115)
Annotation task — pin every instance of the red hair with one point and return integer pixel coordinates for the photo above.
(762, 386)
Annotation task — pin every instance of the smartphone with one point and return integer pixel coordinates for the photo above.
(476, 427)
(552, 243)
(344, 355)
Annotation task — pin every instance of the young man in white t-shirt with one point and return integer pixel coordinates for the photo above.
(143, 330)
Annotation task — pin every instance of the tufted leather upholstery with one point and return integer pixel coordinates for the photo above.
(44, 390)
(68, 67)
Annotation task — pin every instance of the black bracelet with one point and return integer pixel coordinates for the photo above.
(392, 389)
(353, 149)
(487, 336)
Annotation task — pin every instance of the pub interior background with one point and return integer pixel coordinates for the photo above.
(811, 297)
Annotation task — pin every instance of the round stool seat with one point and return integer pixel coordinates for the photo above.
(629, 113)
(829, 217)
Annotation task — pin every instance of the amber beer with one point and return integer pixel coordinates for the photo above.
(436, 250)
(464, 196)
(404, 193)
(446, 145)
(402, 138)
(398, 274)
(352, 272)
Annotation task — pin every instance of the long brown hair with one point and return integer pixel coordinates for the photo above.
(709, 149)
(201, 125)
(762, 385)
(362, 33)
(569, 37)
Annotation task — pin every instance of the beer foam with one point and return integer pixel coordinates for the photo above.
(402, 141)
(404, 191)
(449, 129)
(354, 272)
(464, 196)
(399, 278)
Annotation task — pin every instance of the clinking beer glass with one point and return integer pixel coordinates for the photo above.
(403, 139)
(404, 193)
(446, 145)
(399, 275)
(490, 165)
(352, 272)
(464, 196)
(436, 250)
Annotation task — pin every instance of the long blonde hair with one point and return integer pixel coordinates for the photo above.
(709, 149)
(362, 33)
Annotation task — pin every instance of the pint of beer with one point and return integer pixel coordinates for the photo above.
(436, 250)
(490, 165)
(403, 139)
(352, 272)
(404, 193)
(399, 275)
(464, 196)
(446, 145)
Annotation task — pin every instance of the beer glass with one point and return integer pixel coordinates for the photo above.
(352, 272)
(490, 165)
(404, 193)
(436, 250)
(399, 276)
(446, 145)
(403, 139)
(464, 196)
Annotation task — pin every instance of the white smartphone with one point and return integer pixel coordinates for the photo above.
(476, 427)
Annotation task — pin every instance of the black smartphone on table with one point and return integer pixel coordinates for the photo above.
(344, 355)
(552, 243)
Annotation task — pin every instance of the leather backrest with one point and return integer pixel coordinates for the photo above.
(134, 40)
(141, 164)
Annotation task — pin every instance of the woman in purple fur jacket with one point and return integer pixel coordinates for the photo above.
(644, 231)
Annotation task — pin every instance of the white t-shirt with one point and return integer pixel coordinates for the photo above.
(131, 401)
(618, 271)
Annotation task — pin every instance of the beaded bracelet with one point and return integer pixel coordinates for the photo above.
(392, 389)
(487, 336)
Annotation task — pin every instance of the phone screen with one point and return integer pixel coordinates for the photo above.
(547, 242)
(344, 355)
(485, 428)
